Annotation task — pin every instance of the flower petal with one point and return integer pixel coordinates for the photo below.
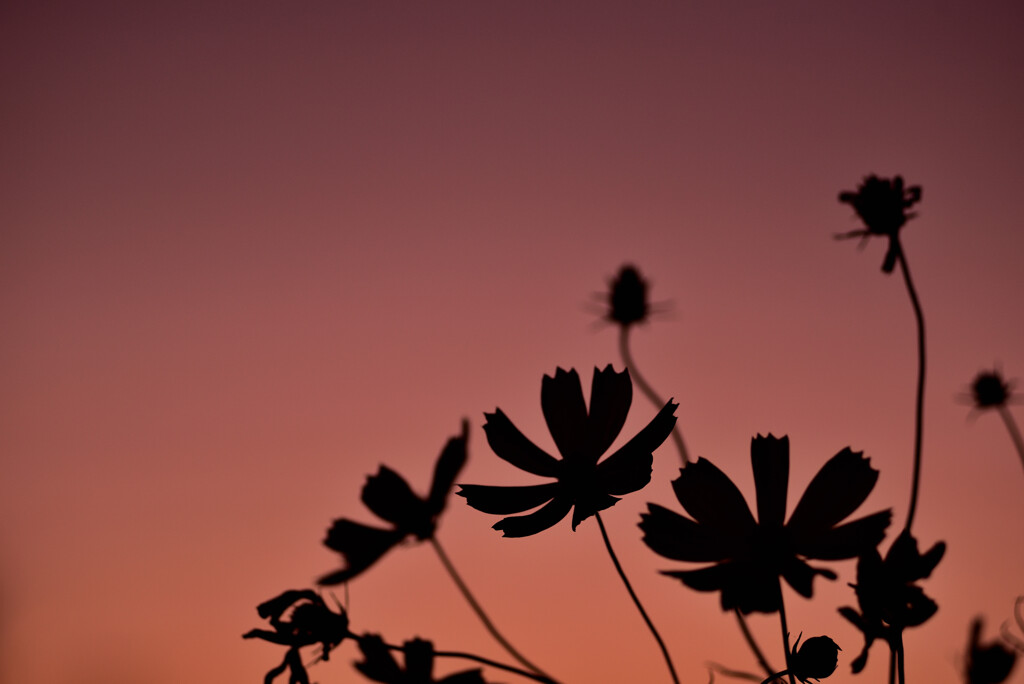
(800, 575)
(610, 396)
(742, 585)
(539, 520)
(561, 400)
(677, 537)
(360, 545)
(713, 500)
(907, 564)
(449, 464)
(769, 457)
(378, 664)
(629, 468)
(589, 503)
(836, 491)
(388, 495)
(505, 500)
(846, 541)
(510, 444)
(419, 660)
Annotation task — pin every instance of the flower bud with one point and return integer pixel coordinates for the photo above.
(816, 659)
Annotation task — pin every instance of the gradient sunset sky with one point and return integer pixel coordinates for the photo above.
(250, 251)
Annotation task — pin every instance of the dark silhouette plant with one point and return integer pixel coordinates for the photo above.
(989, 391)
(380, 666)
(987, 663)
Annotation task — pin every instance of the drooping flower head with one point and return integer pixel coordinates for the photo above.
(816, 659)
(389, 496)
(309, 622)
(882, 205)
(888, 597)
(581, 484)
(750, 555)
(987, 663)
(380, 666)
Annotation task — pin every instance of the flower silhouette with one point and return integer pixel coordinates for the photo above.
(310, 622)
(990, 390)
(882, 205)
(627, 297)
(816, 659)
(581, 483)
(749, 556)
(987, 663)
(380, 666)
(389, 496)
(888, 598)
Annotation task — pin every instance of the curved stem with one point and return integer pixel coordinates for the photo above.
(919, 412)
(636, 601)
(775, 675)
(762, 661)
(785, 630)
(634, 372)
(481, 660)
(1011, 425)
(483, 615)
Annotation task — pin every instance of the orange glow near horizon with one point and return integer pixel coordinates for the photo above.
(251, 253)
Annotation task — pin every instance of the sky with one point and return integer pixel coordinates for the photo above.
(251, 251)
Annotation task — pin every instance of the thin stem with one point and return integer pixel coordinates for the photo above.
(762, 661)
(634, 372)
(636, 601)
(892, 664)
(919, 412)
(483, 661)
(901, 657)
(785, 631)
(1011, 425)
(481, 614)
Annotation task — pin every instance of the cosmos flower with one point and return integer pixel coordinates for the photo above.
(750, 555)
(380, 666)
(310, 622)
(989, 390)
(987, 663)
(882, 205)
(581, 484)
(816, 659)
(889, 599)
(389, 496)
(627, 297)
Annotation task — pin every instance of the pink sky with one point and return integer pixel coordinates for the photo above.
(250, 251)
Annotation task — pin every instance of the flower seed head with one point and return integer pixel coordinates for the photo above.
(816, 659)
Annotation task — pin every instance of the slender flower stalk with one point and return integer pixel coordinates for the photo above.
(758, 653)
(785, 634)
(919, 402)
(1011, 426)
(636, 600)
(478, 609)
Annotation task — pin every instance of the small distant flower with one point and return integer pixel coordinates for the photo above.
(581, 483)
(750, 555)
(816, 659)
(627, 298)
(389, 496)
(882, 205)
(380, 666)
(987, 663)
(990, 390)
(310, 622)
(889, 599)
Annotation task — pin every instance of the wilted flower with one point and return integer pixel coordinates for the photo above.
(581, 483)
(816, 659)
(987, 663)
(882, 205)
(389, 496)
(888, 598)
(310, 622)
(750, 555)
(379, 665)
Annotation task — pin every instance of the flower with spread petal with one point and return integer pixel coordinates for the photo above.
(581, 484)
(389, 496)
(882, 205)
(987, 663)
(888, 598)
(750, 555)
(380, 666)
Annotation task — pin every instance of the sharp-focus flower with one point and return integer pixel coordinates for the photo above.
(380, 666)
(882, 205)
(750, 555)
(389, 496)
(889, 599)
(816, 659)
(310, 622)
(987, 663)
(581, 484)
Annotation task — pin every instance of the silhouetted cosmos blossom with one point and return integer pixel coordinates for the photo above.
(310, 622)
(990, 390)
(987, 663)
(380, 666)
(389, 496)
(882, 205)
(749, 555)
(581, 483)
(888, 598)
(627, 297)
